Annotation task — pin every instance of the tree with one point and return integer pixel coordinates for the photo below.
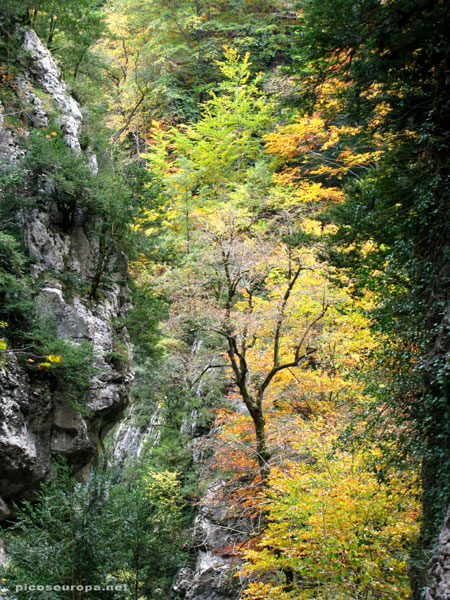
(334, 529)
(84, 537)
(61, 542)
(162, 56)
(212, 157)
(145, 525)
(245, 272)
(394, 226)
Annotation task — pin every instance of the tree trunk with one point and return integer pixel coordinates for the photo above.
(263, 454)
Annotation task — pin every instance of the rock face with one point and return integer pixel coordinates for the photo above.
(36, 421)
(216, 536)
(44, 72)
(130, 439)
(439, 588)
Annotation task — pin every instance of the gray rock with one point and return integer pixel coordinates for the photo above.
(439, 588)
(92, 162)
(2, 555)
(130, 439)
(212, 579)
(184, 579)
(36, 421)
(44, 73)
(10, 151)
(5, 513)
(47, 248)
(36, 112)
(215, 535)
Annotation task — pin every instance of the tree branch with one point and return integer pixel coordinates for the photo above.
(207, 369)
(297, 358)
(276, 342)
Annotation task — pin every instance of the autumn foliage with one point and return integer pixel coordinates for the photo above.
(243, 204)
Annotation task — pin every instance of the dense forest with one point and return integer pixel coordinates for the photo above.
(276, 177)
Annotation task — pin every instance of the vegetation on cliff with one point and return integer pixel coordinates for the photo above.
(277, 174)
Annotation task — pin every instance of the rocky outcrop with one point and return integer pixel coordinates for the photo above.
(439, 588)
(37, 421)
(44, 74)
(217, 531)
(211, 579)
(130, 438)
(217, 535)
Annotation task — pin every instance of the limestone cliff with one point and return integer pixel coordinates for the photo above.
(36, 421)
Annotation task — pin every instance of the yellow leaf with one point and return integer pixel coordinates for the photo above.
(55, 358)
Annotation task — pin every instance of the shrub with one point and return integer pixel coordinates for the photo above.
(97, 533)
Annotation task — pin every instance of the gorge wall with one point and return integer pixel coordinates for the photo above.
(38, 421)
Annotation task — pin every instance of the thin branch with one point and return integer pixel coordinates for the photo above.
(276, 343)
(197, 379)
(297, 358)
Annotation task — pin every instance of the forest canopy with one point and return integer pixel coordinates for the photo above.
(278, 175)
